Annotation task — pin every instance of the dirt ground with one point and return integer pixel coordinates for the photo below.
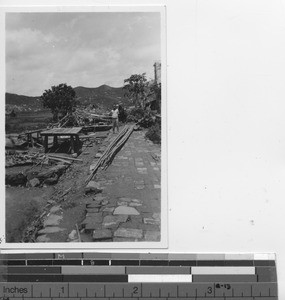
(24, 204)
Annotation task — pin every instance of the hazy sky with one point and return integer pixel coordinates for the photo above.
(80, 49)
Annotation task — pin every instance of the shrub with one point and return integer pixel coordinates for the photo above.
(154, 133)
(131, 119)
(145, 118)
(136, 113)
(148, 119)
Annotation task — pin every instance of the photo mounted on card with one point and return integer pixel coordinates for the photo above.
(85, 127)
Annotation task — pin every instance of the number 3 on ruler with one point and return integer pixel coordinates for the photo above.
(209, 290)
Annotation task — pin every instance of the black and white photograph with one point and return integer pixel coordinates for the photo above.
(84, 126)
(149, 135)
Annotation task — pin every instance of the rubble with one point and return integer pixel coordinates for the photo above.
(56, 170)
(72, 235)
(34, 182)
(115, 218)
(93, 187)
(52, 180)
(20, 158)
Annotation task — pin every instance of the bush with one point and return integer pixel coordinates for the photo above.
(148, 119)
(154, 134)
(145, 118)
(131, 119)
(135, 114)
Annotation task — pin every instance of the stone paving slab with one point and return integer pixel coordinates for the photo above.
(133, 189)
(52, 220)
(129, 233)
(123, 202)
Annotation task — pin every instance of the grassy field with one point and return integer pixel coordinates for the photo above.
(27, 121)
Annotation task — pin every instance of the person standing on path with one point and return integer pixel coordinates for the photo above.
(115, 118)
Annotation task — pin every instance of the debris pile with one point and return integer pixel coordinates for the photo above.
(82, 118)
(47, 168)
(106, 159)
(20, 158)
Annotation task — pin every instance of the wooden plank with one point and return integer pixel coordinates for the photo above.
(60, 159)
(46, 144)
(75, 130)
(72, 144)
(62, 131)
(64, 157)
(55, 141)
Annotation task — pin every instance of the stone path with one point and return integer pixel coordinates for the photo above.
(125, 203)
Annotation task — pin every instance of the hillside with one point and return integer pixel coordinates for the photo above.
(22, 103)
(104, 96)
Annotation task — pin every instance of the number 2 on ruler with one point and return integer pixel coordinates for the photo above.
(135, 290)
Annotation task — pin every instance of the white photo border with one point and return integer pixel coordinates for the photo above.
(44, 247)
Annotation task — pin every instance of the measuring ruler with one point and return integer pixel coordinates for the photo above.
(112, 276)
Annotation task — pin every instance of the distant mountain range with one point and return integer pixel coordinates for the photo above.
(103, 96)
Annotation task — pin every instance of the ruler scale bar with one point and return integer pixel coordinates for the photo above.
(142, 276)
(142, 290)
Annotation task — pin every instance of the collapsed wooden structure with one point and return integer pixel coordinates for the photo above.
(71, 133)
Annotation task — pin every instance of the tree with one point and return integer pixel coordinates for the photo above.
(136, 89)
(60, 99)
(155, 88)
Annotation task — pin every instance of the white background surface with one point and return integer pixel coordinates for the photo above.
(226, 125)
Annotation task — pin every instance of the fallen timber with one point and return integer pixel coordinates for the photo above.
(114, 147)
(63, 157)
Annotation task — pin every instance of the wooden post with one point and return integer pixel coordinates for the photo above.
(46, 143)
(29, 139)
(55, 141)
(72, 143)
(77, 143)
